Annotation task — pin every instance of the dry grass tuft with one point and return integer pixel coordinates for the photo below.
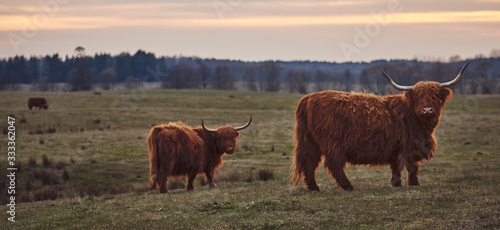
(60, 165)
(227, 176)
(48, 177)
(202, 180)
(65, 175)
(19, 167)
(86, 189)
(51, 130)
(265, 174)
(27, 184)
(45, 193)
(32, 162)
(141, 187)
(46, 161)
(176, 183)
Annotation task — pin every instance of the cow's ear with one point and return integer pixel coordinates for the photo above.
(446, 94)
(237, 134)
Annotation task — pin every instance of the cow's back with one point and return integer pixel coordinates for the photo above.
(180, 149)
(360, 123)
(37, 102)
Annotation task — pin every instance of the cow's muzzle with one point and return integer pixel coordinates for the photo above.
(229, 150)
(428, 111)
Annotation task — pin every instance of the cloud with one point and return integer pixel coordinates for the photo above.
(254, 24)
(208, 14)
(64, 22)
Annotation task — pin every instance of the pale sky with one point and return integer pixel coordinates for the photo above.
(346, 30)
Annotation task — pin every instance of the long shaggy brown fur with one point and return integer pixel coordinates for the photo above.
(366, 129)
(176, 150)
(39, 102)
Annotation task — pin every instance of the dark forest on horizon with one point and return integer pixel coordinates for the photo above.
(104, 71)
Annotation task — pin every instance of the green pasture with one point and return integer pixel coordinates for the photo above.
(97, 167)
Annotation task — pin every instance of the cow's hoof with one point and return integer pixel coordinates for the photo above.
(313, 188)
(397, 184)
(348, 188)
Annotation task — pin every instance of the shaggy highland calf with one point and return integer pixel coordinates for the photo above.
(39, 102)
(177, 150)
(365, 129)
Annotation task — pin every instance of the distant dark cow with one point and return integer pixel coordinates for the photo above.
(365, 129)
(176, 150)
(39, 102)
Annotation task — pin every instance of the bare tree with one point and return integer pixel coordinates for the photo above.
(42, 84)
(495, 53)
(250, 77)
(461, 85)
(454, 58)
(268, 77)
(132, 83)
(347, 80)
(182, 77)
(107, 77)
(416, 73)
(205, 73)
(485, 81)
(299, 80)
(371, 80)
(325, 80)
(223, 79)
(264, 77)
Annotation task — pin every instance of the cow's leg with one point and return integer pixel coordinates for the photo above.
(310, 172)
(210, 178)
(306, 161)
(412, 169)
(396, 168)
(162, 180)
(335, 163)
(189, 185)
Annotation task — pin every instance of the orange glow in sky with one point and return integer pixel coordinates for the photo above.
(270, 27)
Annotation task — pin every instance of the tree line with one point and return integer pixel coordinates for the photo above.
(84, 72)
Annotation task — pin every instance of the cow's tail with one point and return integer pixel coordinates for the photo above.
(153, 142)
(301, 130)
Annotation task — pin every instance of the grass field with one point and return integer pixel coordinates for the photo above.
(96, 168)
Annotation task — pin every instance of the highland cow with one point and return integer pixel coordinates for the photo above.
(177, 150)
(39, 102)
(365, 129)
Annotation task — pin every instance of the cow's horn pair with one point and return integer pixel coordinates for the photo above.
(446, 84)
(236, 128)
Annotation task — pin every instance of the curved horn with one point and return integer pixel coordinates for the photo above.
(457, 78)
(396, 86)
(205, 128)
(244, 126)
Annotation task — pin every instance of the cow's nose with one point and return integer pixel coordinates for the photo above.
(428, 110)
(229, 150)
